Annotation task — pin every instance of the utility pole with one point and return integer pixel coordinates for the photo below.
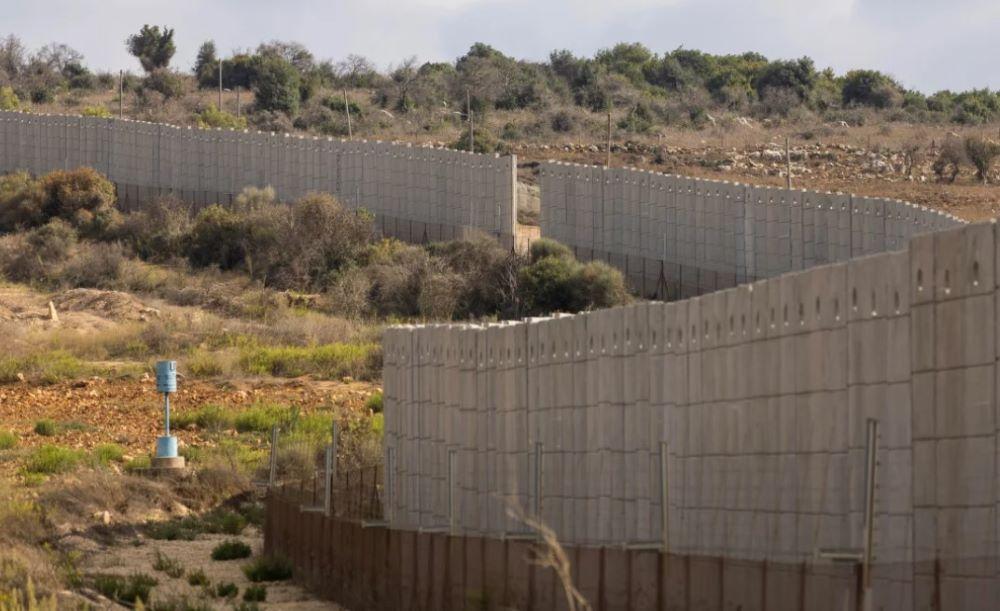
(788, 166)
(472, 130)
(347, 109)
(121, 94)
(220, 84)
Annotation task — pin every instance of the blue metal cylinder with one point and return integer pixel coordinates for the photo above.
(166, 376)
(166, 447)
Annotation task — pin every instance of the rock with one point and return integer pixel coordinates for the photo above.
(179, 509)
(103, 517)
(53, 315)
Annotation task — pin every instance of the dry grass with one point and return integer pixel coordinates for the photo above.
(547, 552)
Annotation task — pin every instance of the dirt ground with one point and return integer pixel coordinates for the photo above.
(139, 556)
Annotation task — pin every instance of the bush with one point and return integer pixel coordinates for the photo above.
(207, 418)
(170, 566)
(374, 402)
(231, 550)
(107, 453)
(225, 522)
(562, 122)
(135, 587)
(276, 87)
(198, 578)
(52, 459)
(46, 428)
(870, 88)
(949, 161)
(226, 589)
(255, 594)
(556, 281)
(981, 153)
(268, 568)
(8, 440)
(485, 141)
(328, 361)
(165, 82)
(160, 231)
(93, 265)
(8, 99)
(83, 197)
(261, 418)
(96, 111)
(212, 117)
(546, 247)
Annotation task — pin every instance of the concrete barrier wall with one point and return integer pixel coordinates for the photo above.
(416, 193)
(675, 236)
(755, 399)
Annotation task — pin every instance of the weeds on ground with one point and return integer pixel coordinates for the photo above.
(198, 578)
(255, 594)
(107, 453)
(128, 590)
(51, 459)
(226, 589)
(170, 566)
(8, 440)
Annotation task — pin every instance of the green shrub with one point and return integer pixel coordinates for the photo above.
(165, 82)
(981, 153)
(8, 99)
(262, 417)
(213, 117)
(231, 550)
(45, 368)
(327, 361)
(51, 459)
(170, 566)
(81, 197)
(96, 111)
(374, 402)
(139, 463)
(546, 247)
(225, 522)
(174, 530)
(198, 578)
(46, 427)
(268, 568)
(226, 589)
(107, 453)
(256, 593)
(8, 440)
(555, 281)
(207, 418)
(130, 589)
(276, 87)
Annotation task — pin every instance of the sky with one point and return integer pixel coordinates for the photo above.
(926, 44)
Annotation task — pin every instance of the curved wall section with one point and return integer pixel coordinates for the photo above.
(416, 193)
(675, 236)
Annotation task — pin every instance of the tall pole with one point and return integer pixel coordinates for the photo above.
(472, 130)
(347, 109)
(220, 83)
(121, 94)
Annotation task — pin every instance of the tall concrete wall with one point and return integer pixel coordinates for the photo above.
(416, 193)
(760, 395)
(675, 236)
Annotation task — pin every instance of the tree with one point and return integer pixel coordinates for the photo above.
(152, 46)
(206, 65)
(981, 153)
(870, 88)
(276, 85)
(798, 76)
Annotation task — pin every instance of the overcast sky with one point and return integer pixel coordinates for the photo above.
(926, 44)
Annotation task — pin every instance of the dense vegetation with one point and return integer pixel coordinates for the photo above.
(565, 94)
(63, 230)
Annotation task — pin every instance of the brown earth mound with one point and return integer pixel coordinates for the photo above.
(113, 305)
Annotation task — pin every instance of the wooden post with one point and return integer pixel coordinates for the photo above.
(347, 109)
(273, 466)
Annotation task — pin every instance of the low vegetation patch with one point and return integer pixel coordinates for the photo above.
(51, 459)
(330, 361)
(130, 589)
(268, 568)
(231, 550)
(170, 566)
(198, 578)
(255, 594)
(8, 440)
(226, 589)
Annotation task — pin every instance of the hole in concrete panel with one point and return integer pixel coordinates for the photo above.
(947, 282)
(975, 273)
(784, 314)
(874, 305)
(802, 313)
(732, 325)
(654, 339)
(680, 335)
(706, 329)
(772, 318)
(743, 323)
(854, 299)
(895, 301)
(920, 280)
(836, 308)
(757, 322)
(818, 308)
(718, 330)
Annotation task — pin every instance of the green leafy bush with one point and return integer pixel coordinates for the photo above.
(171, 566)
(215, 118)
(107, 453)
(96, 111)
(226, 589)
(374, 402)
(231, 550)
(198, 578)
(8, 440)
(46, 427)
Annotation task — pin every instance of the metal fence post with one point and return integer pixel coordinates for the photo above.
(272, 474)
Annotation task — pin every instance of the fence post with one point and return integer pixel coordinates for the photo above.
(537, 509)
(272, 473)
